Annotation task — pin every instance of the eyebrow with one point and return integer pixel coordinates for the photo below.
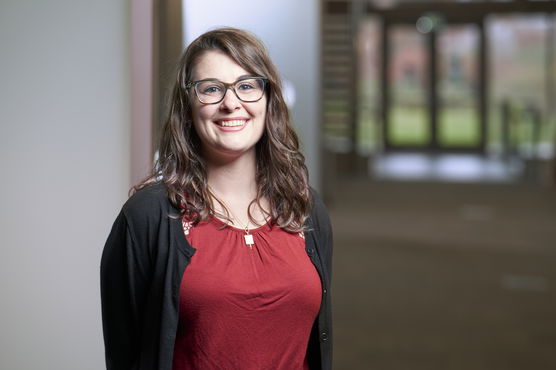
(216, 79)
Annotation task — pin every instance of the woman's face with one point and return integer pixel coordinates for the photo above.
(232, 127)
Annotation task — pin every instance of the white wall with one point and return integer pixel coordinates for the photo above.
(64, 159)
(290, 30)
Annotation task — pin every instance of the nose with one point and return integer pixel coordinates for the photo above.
(230, 102)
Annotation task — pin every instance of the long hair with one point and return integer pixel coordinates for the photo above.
(281, 174)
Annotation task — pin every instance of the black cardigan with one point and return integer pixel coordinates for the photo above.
(141, 270)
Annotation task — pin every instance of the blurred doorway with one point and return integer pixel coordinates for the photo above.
(474, 79)
(434, 86)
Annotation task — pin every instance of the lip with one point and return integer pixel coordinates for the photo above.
(231, 124)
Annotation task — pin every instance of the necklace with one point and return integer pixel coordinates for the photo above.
(248, 237)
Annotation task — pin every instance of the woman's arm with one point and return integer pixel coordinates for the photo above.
(123, 285)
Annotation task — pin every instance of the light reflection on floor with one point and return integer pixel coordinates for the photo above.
(444, 167)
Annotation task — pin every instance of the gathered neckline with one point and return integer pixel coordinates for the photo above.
(234, 228)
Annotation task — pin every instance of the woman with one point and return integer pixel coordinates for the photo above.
(221, 259)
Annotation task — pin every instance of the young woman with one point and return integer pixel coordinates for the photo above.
(221, 259)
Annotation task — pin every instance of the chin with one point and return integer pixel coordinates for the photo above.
(230, 151)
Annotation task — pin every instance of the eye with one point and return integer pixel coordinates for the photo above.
(246, 85)
(209, 88)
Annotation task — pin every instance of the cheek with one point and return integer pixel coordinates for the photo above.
(202, 117)
(198, 113)
(261, 111)
(261, 118)
(199, 124)
(262, 114)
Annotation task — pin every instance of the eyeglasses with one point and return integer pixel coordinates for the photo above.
(212, 91)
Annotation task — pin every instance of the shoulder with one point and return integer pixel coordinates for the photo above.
(319, 214)
(320, 228)
(149, 204)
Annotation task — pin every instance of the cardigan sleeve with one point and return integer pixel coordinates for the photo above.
(321, 337)
(124, 286)
(323, 225)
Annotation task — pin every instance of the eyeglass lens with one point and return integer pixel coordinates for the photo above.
(248, 90)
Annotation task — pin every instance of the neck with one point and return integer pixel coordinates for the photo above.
(233, 181)
(233, 178)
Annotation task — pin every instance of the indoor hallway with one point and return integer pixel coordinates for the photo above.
(444, 276)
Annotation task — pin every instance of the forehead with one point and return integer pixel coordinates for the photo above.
(217, 64)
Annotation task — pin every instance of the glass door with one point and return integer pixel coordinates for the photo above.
(457, 85)
(408, 116)
(433, 88)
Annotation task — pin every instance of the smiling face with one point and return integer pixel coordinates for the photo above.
(231, 128)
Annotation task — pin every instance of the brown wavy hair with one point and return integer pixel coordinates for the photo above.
(281, 173)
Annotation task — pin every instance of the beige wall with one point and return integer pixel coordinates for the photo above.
(142, 45)
(64, 159)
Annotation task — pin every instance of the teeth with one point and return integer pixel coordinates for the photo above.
(237, 122)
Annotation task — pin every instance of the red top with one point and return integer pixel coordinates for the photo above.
(246, 308)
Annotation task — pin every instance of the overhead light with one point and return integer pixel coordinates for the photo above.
(429, 22)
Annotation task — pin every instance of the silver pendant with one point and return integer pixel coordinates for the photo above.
(249, 240)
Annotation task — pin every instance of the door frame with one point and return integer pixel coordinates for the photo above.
(432, 96)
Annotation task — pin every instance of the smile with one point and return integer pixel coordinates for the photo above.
(232, 123)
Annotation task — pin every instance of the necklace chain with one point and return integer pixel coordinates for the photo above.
(248, 237)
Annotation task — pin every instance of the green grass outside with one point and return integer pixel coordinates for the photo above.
(458, 127)
(408, 126)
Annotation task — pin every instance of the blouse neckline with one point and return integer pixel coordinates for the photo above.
(219, 222)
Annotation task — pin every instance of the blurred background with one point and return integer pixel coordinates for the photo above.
(428, 126)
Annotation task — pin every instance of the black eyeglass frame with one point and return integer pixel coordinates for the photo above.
(228, 86)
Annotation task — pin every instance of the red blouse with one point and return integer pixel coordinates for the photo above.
(246, 307)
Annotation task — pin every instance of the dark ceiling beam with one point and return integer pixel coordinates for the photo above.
(451, 11)
(461, 12)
